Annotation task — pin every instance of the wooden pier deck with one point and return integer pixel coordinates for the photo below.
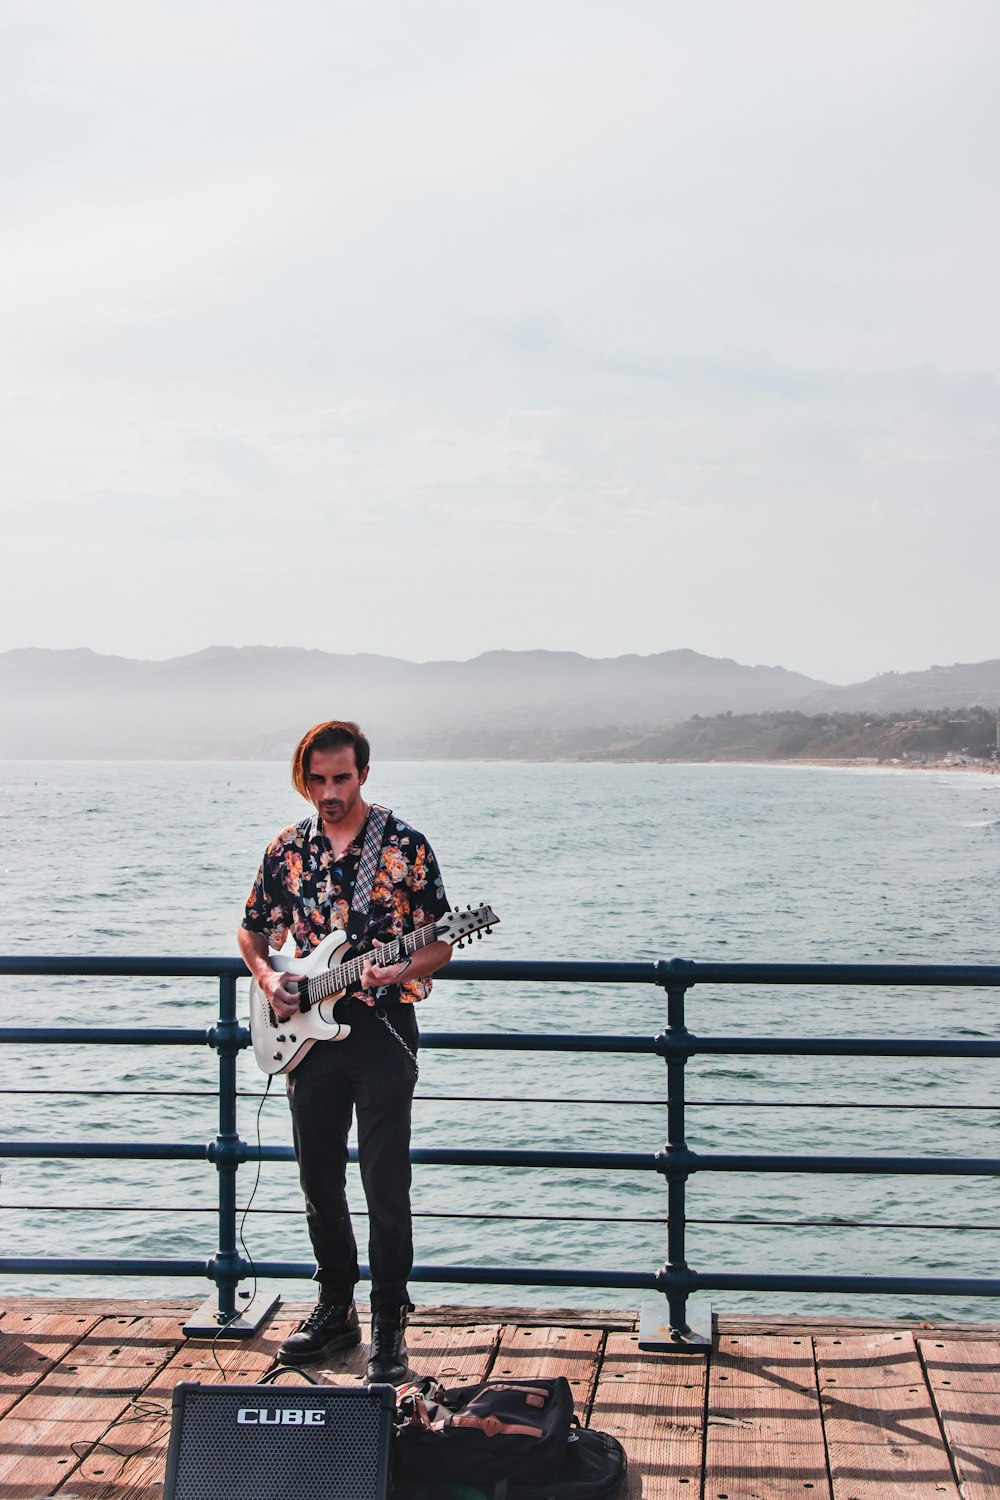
(818, 1411)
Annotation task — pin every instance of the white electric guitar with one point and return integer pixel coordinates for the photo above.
(279, 1046)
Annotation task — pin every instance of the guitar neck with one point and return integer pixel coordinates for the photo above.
(342, 976)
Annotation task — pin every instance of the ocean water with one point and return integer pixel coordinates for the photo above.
(579, 861)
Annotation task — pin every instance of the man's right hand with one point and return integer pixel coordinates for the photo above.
(282, 993)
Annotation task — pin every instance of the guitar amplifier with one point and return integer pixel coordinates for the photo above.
(271, 1442)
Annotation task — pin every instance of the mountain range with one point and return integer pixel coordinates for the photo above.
(253, 702)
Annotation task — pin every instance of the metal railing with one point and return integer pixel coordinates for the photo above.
(676, 1162)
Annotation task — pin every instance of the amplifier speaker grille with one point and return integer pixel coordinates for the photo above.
(276, 1442)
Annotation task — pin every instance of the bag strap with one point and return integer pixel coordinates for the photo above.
(357, 917)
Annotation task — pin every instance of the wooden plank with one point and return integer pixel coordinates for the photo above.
(619, 1318)
(655, 1406)
(103, 1307)
(528, 1352)
(882, 1433)
(759, 1323)
(780, 1362)
(131, 1340)
(454, 1355)
(32, 1344)
(908, 1472)
(965, 1381)
(764, 1435)
(92, 1387)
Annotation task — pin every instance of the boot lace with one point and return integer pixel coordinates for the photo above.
(386, 1339)
(322, 1314)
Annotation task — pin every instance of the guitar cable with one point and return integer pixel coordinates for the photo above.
(242, 1225)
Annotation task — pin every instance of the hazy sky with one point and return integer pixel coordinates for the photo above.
(426, 327)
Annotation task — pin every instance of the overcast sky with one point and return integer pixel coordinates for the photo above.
(427, 327)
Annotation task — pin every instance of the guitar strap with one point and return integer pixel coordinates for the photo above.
(357, 917)
(361, 901)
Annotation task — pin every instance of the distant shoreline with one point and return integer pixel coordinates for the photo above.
(803, 764)
(856, 763)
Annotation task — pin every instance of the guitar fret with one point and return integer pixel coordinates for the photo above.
(321, 986)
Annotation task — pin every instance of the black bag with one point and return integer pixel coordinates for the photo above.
(517, 1438)
(595, 1466)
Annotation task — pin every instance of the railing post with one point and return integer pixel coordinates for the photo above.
(675, 1279)
(228, 1151)
(226, 1268)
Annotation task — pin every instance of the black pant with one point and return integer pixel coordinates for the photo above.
(370, 1073)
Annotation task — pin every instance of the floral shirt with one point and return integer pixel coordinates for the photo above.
(302, 889)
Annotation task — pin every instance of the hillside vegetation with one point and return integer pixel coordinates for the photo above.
(789, 735)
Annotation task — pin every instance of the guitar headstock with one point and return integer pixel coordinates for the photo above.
(458, 926)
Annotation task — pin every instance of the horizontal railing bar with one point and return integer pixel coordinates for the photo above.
(838, 1224)
(110, 966)
(541, 1041)
(304, 1270)
(829, 1046)
(110, 1150)
(929, 1166)
(944, 975)
(109, 1036)
(683, 972)
(828, 1104)
(530, 1276)
(947, 1286)
(537, 1041)
(25, 1265)
(165, 967)
(614, 1161)
(547, 971)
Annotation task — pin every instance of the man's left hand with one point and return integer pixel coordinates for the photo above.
(375, 976)
(418, 966)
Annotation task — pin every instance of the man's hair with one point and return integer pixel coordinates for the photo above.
(332, 734)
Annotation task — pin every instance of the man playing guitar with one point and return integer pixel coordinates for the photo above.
(305, 887)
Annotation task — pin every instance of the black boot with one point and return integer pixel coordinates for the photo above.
(389, 1356)
(331, 1325)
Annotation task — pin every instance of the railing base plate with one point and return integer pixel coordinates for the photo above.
(656, 1336)
(204, 1322)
